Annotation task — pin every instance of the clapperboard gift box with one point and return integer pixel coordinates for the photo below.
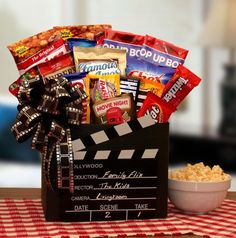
(119, 173)
(103, 130)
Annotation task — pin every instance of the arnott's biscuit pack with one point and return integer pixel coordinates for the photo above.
(115, 63)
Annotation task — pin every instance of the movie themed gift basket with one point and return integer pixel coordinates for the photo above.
(96, 104)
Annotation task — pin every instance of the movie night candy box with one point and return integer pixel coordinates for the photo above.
(96, 103)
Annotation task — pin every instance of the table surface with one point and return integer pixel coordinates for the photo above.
(35, 193)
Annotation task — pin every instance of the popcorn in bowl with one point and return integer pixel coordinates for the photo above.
(199, 173)
(198, 188)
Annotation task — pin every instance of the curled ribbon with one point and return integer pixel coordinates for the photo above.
(46, 112)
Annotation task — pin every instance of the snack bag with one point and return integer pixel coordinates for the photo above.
(132, 43)
(99, 60)
(175, 91)
(163, 73)
(157, 108)
(180, 86)
(79, 78)
(90, 32)
(56, 67)
(53, 68)
(28, 68)
(114, 110)
(163, 53)
(147, 85)
(80, 43)
(100, 87)
(153, 79)
(35, 49)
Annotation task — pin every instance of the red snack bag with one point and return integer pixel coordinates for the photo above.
(156, 107)
(180, 85)
(31, 49)
(56, 67)
(163, 53)
(57, 48)
(28, 68)
(90, 32)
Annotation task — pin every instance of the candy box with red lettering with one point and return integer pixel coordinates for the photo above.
(108, 173)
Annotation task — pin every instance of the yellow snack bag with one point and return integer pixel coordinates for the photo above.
(153, 86)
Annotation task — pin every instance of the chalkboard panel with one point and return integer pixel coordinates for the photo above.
(119, 179)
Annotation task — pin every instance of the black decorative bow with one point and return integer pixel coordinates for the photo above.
(45, 112)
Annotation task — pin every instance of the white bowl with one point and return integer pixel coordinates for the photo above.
(197, 197)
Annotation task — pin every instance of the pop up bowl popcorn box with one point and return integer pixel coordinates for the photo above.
(96, 103)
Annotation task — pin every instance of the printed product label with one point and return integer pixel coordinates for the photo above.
(134, 52)
(21, 50)
(162, 59)
(122, 103)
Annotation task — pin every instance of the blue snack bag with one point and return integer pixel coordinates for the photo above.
(76, 78)
(137, 65)
(153, 77)
(81, 43)
(164, 73)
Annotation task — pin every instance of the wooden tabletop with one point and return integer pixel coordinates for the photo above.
(35, 193)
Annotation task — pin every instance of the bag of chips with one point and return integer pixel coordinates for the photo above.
(132, 43)
(37, 49)
(162, 53)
